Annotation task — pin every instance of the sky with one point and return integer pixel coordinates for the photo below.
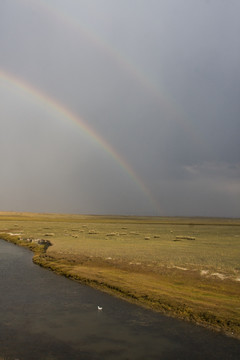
(128, 107)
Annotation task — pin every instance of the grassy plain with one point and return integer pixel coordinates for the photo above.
(184, 267)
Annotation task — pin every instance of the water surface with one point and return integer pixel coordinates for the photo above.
(46, 316)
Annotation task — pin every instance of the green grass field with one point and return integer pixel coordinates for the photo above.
(185, 267)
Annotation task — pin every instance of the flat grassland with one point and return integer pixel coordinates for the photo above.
(184, 267)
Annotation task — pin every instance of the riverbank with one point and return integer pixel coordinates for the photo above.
(187, 268)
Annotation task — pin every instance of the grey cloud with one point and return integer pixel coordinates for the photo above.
(157, 80)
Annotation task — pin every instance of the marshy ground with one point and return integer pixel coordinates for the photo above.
(184, 267)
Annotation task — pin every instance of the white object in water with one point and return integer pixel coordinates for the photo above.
(99, 308)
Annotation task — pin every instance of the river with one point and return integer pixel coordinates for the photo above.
(44, 316)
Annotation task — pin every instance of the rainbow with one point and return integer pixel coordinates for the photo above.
(52, 104)
(162, 99)
(166, 104)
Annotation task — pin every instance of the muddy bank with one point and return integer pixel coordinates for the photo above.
(135, 287)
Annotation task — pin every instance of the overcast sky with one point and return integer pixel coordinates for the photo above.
(156, 81)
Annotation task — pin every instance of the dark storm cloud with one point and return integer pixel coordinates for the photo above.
(158, 80)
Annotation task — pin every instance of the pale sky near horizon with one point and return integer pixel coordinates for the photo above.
(120, 107)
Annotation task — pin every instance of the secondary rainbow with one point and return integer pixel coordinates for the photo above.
(59, 15)
(68, 115)
(165, 102)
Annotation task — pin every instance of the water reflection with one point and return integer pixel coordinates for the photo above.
(49, 317)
